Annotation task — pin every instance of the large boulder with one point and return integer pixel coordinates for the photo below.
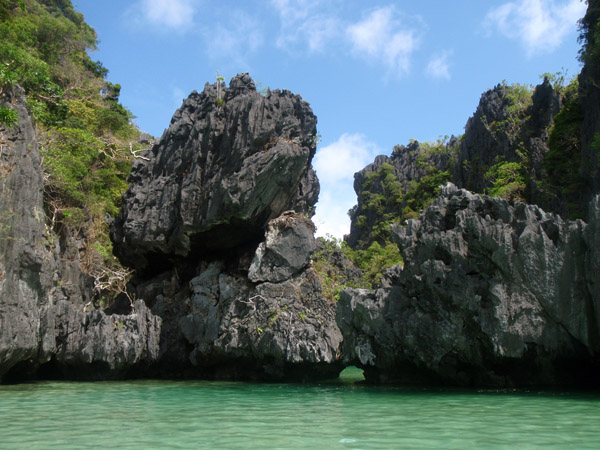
(92, 345)
(285, 251)
(490, 294)
(231, 160)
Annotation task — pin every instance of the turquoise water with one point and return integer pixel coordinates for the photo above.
(203, 414)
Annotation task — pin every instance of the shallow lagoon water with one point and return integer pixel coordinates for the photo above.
(208, 414)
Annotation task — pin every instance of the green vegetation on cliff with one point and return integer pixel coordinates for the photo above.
(563, 183)
(383, 200)
(83, 130)
(338, 266)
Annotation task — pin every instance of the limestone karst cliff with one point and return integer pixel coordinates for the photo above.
(46, 327)
(216, 224)
(230, 161)
(490, 294)
(494, 290)
(211, 302)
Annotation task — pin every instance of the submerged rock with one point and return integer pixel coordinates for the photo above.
(490, 294)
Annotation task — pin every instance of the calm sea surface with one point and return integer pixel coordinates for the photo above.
(203, 414)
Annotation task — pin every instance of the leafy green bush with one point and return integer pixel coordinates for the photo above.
(563, 182)
(8, 117)
(372, 262)
(508, 180)
(84, 132)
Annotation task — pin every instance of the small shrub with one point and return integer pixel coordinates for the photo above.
(8, 117)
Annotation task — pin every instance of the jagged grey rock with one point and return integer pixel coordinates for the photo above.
(410, 163)
(221, 325)
(231, 160)
(490, 294)
(286, 250)
(26, 254)
(42, 288)
(494, 132)
(216, 224)
(94, 345)
(271, 331)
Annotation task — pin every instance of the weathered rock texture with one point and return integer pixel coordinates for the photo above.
(286, 250)
(589, 94)
(501, 130)
(498, 130)
(43, 321)
(410, 163)
(25, 264)
(212, 188)
(215, 222)
(222, 323)
(490, 294)
(230, 161)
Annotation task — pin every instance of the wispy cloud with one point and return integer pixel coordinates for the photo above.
(385, 36)
(438, 66)
(175, 15)
(336, 164)
(293, 11)
(234, 40)
(539, 25)
(307, 24)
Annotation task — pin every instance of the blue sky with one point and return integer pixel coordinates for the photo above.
(376, 73)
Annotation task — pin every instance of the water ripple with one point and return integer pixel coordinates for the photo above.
(160, 414)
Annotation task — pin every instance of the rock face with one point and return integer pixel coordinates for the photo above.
(511, 124)
(408, 164)
(286, 250)
(260, 324)
(589, 93)
(498, 130)
(226, 276)
(24, 261)
(43, 322)
(230, 161)
(215, 223)
(490, 294)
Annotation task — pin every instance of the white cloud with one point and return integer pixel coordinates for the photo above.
(331, 216)
(539, 25)
(338, 161)
(173, 14)
(336, 164)
(319, 32)
(293, 11)
(438, 66)
(381, 36)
